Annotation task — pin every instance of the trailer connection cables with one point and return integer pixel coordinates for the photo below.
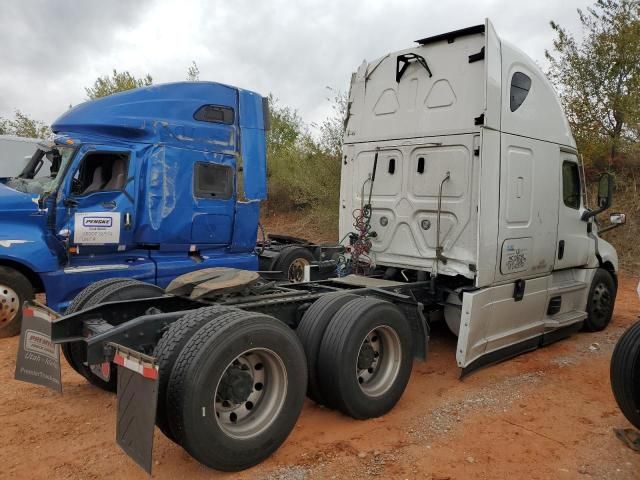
(360, 239)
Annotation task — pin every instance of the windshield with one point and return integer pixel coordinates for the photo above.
(45, 171)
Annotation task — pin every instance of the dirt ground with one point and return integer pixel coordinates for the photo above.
(548, 414)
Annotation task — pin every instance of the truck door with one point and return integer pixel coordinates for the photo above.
(572, 249)
(100, 201)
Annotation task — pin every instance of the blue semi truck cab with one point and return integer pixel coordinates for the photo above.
(148, 184)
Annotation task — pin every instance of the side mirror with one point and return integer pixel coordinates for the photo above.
(618, 218)
(605, 196)
(605, 191)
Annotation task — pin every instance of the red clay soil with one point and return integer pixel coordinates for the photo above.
(548, 414)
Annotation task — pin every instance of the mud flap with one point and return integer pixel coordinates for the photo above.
(137, 403)
(38, 359)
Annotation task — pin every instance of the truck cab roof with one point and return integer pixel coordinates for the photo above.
(443, 85)
(195, 115)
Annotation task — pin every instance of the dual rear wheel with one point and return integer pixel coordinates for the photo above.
(233, 387)
(232, 383)
(359, 353)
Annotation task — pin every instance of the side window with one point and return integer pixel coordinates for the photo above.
(520, 86)
(211, 180)
(215, 114)
(571, 185)
(101, 172)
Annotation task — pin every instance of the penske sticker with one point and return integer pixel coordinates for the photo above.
(97, 228)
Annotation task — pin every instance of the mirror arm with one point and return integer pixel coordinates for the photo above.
(587, 214)
(609, 227)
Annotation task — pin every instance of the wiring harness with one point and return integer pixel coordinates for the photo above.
(360, 244)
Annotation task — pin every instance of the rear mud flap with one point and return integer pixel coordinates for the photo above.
(137, 402)
(38, 359)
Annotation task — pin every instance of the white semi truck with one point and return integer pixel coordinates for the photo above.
(462, 200)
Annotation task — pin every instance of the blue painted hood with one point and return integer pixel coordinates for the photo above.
(13, 201)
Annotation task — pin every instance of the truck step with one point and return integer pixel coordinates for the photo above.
(564, 319)
(566, 287)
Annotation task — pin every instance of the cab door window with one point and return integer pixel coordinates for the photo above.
(101, 172)
(571, 192)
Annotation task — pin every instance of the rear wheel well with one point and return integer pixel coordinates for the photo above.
(608, 266)
(33, 277)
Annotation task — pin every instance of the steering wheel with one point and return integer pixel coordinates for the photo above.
(76, 185)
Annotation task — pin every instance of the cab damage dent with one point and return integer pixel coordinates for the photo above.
(221, 137)
(161, 191)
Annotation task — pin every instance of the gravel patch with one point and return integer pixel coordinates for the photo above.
(376, 464)
(564, 361)
(293, 472)
(491, 399)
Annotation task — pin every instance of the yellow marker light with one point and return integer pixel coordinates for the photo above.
(69, 142)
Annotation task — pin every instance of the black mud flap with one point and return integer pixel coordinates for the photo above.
(38, 359)
(137, 402)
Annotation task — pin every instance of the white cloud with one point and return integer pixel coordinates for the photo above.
(292, 49)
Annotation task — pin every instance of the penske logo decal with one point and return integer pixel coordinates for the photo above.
(97, 222)
(36, 342)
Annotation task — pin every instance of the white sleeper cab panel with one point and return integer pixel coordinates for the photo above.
(418, 105)
(404, 200)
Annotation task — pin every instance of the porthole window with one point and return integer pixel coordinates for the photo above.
(520, 86)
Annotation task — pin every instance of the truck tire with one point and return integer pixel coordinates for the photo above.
(78, 304)
(85, 295)
(169, 347)
(291, 262)
(625, 374)
(15, 289)
(602, 297)
(254, 366)
(365, 358)
(311, 330)
(76, 353)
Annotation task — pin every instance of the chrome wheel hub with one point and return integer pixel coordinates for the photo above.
(378, 361)
(9, 304)
(250, 393)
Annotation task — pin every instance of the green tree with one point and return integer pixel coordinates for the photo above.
(24, 126)
(598, 77)
(331, 129)
(303, 169)
(193, 72)
(117, 82)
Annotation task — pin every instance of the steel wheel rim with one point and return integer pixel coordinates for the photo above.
(241, 417)
(9, 304)
(601, 301)
(378, 361)
(296, 270)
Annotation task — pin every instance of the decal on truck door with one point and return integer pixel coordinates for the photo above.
(515, 255)
(99, 228)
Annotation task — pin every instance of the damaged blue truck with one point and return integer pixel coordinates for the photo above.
(147, 184)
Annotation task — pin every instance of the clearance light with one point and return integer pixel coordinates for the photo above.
(69, 142)
(73, 250)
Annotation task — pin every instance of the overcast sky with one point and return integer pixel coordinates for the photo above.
(51, 50)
